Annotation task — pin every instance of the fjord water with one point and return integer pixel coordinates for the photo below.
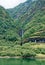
(21, 62)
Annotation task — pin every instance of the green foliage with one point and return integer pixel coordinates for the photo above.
(40, 50)
(26, 50)
(7, 26)
(24, 17)
(28, 53)
(17, 50)
(30, 17)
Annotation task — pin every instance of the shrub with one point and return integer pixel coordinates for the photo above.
(28, 53)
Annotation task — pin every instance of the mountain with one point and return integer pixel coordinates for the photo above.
(36, 26)
(25, 21)
(23, 24)
(7, 27)
(30, 18)
(20, 10)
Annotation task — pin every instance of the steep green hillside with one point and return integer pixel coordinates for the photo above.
(27, 20)
(7, 27)
(31, 18)
(36, 27)
(22, 24)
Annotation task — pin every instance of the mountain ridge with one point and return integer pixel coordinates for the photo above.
(28, 19)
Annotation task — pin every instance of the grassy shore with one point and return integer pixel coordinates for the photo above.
(30, 50)
(38, 56)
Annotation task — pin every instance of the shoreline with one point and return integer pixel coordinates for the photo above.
(10, 57)
(38, 56)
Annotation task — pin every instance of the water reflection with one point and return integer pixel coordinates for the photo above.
(21, 62)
